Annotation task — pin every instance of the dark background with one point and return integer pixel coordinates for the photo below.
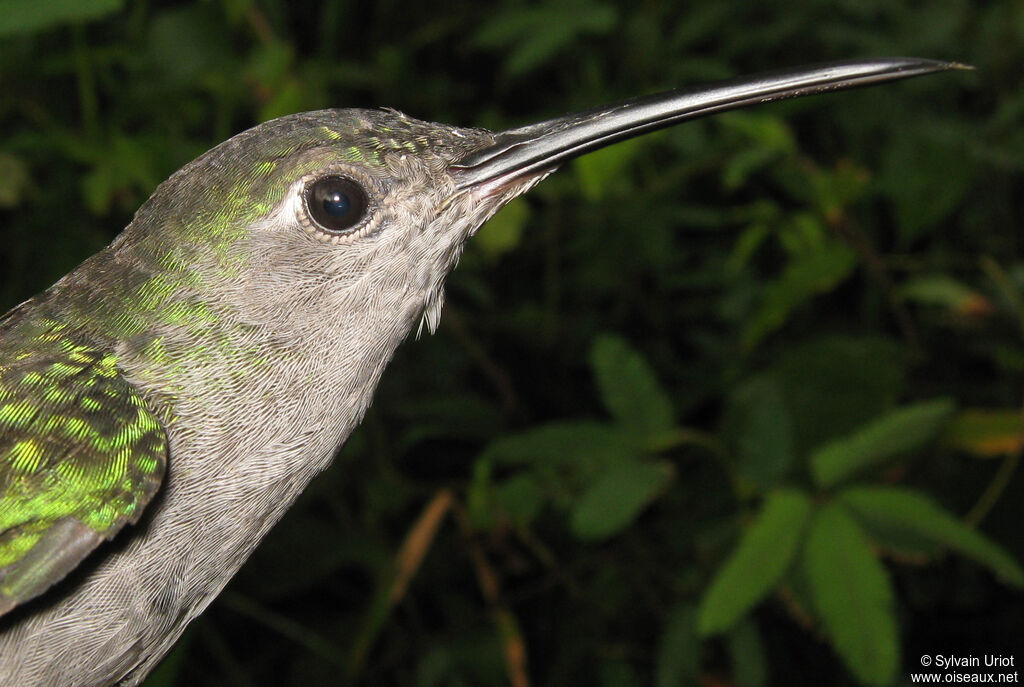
(767, 281)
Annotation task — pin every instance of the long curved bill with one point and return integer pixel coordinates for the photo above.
(531, 150)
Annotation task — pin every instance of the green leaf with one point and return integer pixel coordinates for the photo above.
(835, 188)
(749, 664)
(25, 16)
(16, 180)
(762, 130)
(853, 596)
(502, 232)
(480, 500)
(559, 442)
(464, 416)
(600, 172)
(899, 431)
(766, 139)
(833, 385)
(746, 245)
(520, 498)
(757, 426)
(629, 388)
(270, 63)
(565, 458)
(287, 97)
(185, 43)
(122, 165)
(938, 289)
(897, 508)
(804, 277)
(757, 563)
(911, 171)
(986, 433)
(803, 234)
(531, 36)
(679, 650)
(615, 499)
(744, 163)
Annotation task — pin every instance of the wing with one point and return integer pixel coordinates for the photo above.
(80, 455)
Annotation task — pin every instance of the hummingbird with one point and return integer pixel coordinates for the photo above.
(164, 404)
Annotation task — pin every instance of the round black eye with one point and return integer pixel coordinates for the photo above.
(335, 203)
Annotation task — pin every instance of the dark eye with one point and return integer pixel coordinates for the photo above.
(335, 203)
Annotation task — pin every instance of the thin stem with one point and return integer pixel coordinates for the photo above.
(499, 378)
(233, 670)
(88, 101)
(995, 489)
(391, 590)
(510, 634)
(1006, 288)
(876, 267)
(284, 626)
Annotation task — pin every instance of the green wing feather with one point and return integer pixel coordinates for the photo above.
(81, 455)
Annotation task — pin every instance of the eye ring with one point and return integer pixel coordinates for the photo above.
(335, 204)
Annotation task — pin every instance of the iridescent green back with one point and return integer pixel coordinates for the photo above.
(80, 454)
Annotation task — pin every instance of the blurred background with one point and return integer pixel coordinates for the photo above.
(736, 403)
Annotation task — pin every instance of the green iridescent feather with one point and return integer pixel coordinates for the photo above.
(80, 456)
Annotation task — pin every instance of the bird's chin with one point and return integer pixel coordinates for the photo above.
(487, 197)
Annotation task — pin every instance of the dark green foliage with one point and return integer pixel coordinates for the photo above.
(731, 401)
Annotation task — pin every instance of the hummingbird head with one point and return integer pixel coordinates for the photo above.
(299, 253)
(363, 213)
(317, 240)
(325, 214)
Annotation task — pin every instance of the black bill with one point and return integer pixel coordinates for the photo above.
(535, 148)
